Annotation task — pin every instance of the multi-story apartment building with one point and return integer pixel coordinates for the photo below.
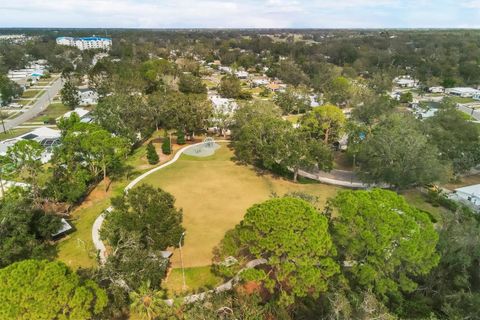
(86, 43)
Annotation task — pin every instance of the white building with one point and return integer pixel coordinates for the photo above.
(469, 195)
(241, 74)
(86, 43)
(406, 82)
(23, 76)
(225, 69)
(47, 137)
(81, 113)
(464, 92)
(224, 104)
(436, 89)
(260, 82)
(87, 97)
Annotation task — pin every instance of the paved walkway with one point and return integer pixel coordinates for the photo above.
(97, 225)
(340, 178)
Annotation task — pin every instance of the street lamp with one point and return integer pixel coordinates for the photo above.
(184, 287)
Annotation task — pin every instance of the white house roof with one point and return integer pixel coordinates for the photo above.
(469, 191)
(45, 136)
(463, 90)
(222, 102)
(81, 112)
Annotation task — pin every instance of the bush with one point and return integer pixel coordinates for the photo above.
(180, 137)
(436, 198)
(152, 155)
(50, 120)
(166, 147)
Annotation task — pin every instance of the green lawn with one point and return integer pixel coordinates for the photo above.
(54, 110)
(214, 193)
(23, 102)
(467, 116)
(13, 133)
(77, 250)
(43, 82)
(461, 99)
(417, 199)
(30, 93)
(197, 279)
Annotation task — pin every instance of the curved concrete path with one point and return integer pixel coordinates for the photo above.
(97, 225)
(324, 178)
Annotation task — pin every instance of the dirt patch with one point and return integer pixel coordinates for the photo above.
(250, 287)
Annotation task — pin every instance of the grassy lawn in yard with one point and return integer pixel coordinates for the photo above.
(23, 102)
(417, 199)
(197, 279)
(13, 133)
(54, 111)
(214, 193)
(461, 99)
(12, 115)
(30, 93)
(43, 82)
(77, 250)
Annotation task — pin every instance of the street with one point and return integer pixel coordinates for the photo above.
(472, 112)
(41, 104)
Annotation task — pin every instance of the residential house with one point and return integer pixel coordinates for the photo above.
(87, 97)
(464, 92)
(406, 82)
(436, 89)
(47, 137)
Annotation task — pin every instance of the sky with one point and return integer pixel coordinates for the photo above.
(240, 14)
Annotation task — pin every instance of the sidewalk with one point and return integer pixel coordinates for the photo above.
(335, 177)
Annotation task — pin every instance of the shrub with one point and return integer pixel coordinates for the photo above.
(166, 147)
(152, 155)
(180, 137)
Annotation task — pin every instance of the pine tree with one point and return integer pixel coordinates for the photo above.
(152, 155)
(166, 147)
(180, 137)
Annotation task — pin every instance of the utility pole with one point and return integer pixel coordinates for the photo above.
(184, 287)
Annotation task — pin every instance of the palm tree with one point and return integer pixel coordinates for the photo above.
(147, 303)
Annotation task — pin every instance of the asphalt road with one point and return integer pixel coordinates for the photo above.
(38, 106)
(474, 113)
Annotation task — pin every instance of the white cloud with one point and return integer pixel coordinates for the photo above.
(235, 14)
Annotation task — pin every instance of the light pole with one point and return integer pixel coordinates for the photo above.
(184, 287)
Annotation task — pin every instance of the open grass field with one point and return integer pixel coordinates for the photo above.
(214, 193)
(30, 93)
